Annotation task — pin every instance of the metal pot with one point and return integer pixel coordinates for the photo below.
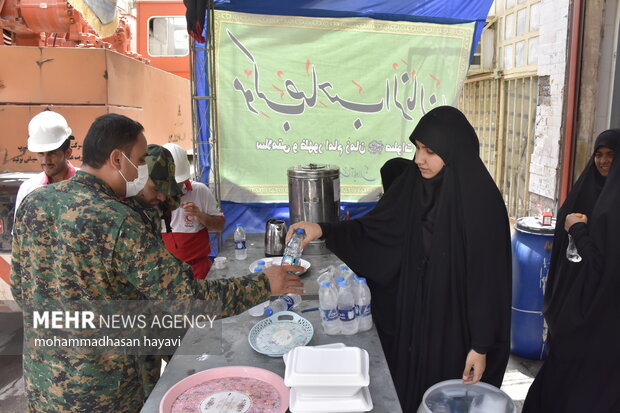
(314, 196)
(275, 236)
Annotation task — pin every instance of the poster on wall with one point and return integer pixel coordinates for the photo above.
(340, 91)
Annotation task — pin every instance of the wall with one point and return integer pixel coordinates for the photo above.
(552, 70)
(606, 69)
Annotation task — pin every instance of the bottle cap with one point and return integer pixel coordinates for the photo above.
(300, 231)
(361, 280)
(258, 269)
(325, 284)
(268, 311)
(342, 284)
(238, 225)
(339, 280)
(344, 267)
(261, 263)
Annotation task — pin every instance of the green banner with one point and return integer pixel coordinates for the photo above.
(347, 92)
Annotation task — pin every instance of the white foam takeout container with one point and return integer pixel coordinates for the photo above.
(359, 402)
(327, 371)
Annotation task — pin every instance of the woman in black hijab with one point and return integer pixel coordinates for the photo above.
(392, 170)
(581, 306)
(436, 252)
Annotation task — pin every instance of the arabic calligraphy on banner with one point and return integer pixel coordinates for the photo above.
(346, 92)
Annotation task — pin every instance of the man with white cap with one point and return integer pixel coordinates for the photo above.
(49, 136)
(189, 239)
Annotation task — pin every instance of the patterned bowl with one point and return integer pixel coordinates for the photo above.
(280, 333)
(231, 388)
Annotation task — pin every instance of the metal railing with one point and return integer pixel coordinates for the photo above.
(503, 112)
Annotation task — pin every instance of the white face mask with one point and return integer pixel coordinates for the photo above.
(133, 187)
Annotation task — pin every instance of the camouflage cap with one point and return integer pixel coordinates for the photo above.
(161, 170)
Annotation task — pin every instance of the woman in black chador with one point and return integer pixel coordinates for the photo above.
(582, 299)
(436, 252)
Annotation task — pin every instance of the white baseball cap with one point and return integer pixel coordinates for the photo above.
(181, 163)
(47, 131)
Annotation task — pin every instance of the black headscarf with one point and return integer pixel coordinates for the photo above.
(392, 170)
(433, 305)
(581, 199)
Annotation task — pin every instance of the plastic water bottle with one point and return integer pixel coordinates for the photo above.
(346, 309)
(293, 250)
(343, 271)
(241, 253)
(283, 303)
(362, 302)
(571, 252)
(328, 304)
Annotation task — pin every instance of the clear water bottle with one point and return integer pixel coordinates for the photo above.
(346, 309)
(362, 303)
(571, 251)
(284, 303)
(293, 250)
(241, 253)
(328, 305)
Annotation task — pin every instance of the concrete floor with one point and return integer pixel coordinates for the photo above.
(12, 393)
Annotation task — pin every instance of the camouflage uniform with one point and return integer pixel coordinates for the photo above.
(75, 240)
(161, 170)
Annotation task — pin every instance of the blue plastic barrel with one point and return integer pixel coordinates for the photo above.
(531, 253)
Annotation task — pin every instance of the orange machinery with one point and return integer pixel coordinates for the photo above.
(55, 23)
(52, 58)
(151, 14)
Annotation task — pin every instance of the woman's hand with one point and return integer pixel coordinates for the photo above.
(475, 365)
(313, 231)
(572, 219)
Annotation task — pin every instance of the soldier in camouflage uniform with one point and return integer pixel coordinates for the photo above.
(161, 194)
(76, 241)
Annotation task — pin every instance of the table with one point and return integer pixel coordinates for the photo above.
(255, 244)
(237, 350)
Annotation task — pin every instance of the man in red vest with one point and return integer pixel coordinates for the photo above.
(191, 223)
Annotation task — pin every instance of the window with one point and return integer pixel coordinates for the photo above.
(518, 37)
(168, 36)
(532, 54)
(482, 59)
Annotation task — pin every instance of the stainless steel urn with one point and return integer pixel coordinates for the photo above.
(314, 196)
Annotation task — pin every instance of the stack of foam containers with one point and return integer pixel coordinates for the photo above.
(328, 379)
